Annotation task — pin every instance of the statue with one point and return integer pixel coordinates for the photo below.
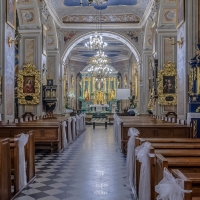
(72, 81)
(112, 94)
(86, 94)
(125, 81)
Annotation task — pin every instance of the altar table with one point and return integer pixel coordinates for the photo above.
(99, 108)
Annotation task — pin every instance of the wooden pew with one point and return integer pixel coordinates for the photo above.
(176, 148)
(5, 170)
(191, 182)
(150, 129)
(47, 136)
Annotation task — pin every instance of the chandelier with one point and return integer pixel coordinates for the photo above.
(98, 66)
(99, 72)
(100, 59)
(96, 42)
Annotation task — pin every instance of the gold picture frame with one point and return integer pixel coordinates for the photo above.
(167, 85)
(180, 4)
(29, 85)
(44, 40)
(11, 13)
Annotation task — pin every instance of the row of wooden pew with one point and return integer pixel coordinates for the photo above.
(148, 127)
(156, 145)
(12, 166)
(179, 155)
(47, 133)
(43, 134)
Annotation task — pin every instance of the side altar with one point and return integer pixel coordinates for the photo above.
(98, 95)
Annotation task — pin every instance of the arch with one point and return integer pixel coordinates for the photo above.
(106, 34)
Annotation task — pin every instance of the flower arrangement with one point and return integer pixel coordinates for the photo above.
(81, 99)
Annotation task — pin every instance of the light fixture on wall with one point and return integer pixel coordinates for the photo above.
(16, 40)
(179, 42)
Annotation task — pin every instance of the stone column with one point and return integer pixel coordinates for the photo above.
(31, 52)
(7, 66)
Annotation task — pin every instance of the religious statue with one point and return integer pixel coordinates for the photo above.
(125, 81)
(112, 94)
(86, 94)
(72, 81)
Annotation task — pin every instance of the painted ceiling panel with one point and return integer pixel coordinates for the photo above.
(104, 6)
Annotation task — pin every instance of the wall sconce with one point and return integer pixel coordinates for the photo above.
(16, 40)
(179, 42)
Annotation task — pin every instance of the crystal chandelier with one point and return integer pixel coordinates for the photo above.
(96, 42)
(100, 59)
(99, 72)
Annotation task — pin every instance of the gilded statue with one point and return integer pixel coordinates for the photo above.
(86, 94)
(112, 94)
(125, 81)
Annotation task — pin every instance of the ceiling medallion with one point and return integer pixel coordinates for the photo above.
(98, 2)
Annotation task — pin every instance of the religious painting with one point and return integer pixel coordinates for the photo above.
(29, 82)
(181, 12)
(11, 13)
(29, 85)
(167, 85)
(49, 82)
(44, 40)
(68, 35)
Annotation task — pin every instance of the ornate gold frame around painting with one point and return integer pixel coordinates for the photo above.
(169, 98)
(29, 70)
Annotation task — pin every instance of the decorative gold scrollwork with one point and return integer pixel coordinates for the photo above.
(29, 85)
(198, 110)
(194, 128)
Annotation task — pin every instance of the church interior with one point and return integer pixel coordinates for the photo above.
(99, 99)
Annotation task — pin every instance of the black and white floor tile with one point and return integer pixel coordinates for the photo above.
(91, 168)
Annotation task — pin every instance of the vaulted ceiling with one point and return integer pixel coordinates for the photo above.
(116, 51)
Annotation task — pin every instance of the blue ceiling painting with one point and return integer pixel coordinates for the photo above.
(104, 6)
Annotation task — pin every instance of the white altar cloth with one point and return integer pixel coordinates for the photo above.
(99, 107)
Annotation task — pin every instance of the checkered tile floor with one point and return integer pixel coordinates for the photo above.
(92, 168)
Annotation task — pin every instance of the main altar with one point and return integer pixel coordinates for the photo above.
(98, 95)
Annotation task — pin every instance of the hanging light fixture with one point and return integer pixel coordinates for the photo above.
(96, 41)
(100, 59)
(99, 66)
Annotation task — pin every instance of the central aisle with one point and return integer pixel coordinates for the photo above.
(92, 168)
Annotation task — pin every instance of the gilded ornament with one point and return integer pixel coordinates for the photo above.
(29, 85)
(167, 85)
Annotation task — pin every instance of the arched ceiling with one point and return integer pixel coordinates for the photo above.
(116, 51)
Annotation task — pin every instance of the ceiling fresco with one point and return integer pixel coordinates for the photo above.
(103, 6)
(114, 11)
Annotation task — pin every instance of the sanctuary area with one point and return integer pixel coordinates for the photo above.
(99, 99)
